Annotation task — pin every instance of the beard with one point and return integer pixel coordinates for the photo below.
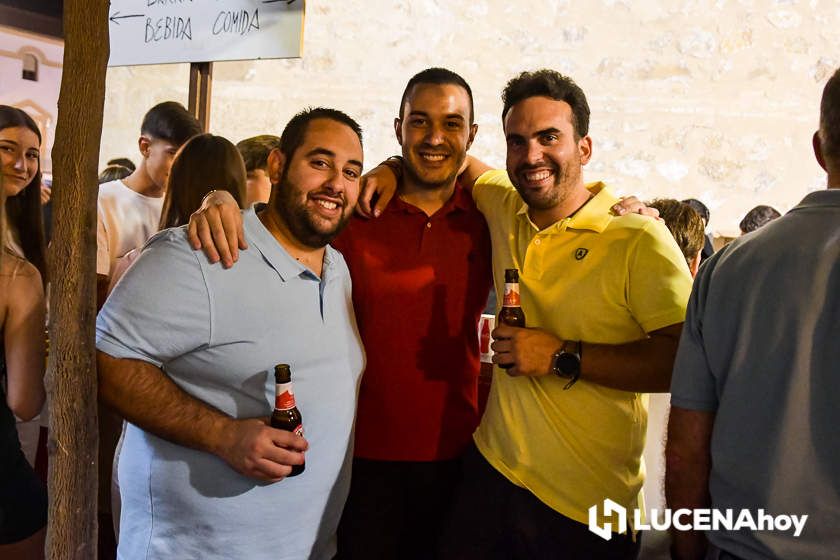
(306, 227)
(566, 176)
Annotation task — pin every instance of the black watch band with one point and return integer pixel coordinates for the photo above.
(566, 362)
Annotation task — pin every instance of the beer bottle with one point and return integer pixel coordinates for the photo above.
(286, 415)
(511, 313)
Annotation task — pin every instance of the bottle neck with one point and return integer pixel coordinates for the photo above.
(284, 396)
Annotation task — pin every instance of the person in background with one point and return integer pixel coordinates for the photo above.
(113, 172)
(758, 217)
(686, 225)
(202, 162)
(708, 247)
(754, 411)
(255, 152)
(128, 210)
(125, 162)
(186, 352)
(23, 497)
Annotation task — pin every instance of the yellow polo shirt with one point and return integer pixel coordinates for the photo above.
(593, 277)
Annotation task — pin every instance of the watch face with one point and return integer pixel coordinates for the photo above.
(567, 364)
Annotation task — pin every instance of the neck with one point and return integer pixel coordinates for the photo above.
(428, 199)
(311, 258)
(140, 182)
(833, 180)
(573, 202)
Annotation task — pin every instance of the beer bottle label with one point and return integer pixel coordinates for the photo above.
(511, 298)
(285, 397)
(298, 431)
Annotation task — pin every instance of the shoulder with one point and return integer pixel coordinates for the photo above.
(493, 190)
(111, 189)
(20, 277)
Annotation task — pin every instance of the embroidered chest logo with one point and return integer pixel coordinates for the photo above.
(580, 253)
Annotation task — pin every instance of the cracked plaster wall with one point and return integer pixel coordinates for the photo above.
(715, 100)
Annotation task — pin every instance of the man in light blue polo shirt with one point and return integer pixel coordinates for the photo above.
(186, 352)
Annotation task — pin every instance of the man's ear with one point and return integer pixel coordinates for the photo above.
(276, 162)
(473, 132)
(585, 149)
(694, 265)
(144, 144)
(398, 130)
(817, 143)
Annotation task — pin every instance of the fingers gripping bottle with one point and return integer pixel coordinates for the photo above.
(286, 415)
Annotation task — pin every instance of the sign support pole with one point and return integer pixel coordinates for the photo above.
(201, 82)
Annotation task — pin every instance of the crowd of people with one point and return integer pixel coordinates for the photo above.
(216, 261)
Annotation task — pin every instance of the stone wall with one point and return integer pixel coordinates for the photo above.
(711, 99)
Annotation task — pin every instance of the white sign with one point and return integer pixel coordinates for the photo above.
(164, 31)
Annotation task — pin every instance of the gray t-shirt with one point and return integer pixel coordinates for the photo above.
(761, 349)
(218, 333)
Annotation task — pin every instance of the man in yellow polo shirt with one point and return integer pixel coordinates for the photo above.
(604, 298)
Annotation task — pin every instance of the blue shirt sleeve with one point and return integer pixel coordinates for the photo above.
(160, 308)
(693, 384)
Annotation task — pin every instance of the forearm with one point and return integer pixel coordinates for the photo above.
(643, 366)
(688, 464)
(146, 397)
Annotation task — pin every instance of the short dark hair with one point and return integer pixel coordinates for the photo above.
(171, 122)
(296, 128)
(437, 76)
(684, 223)
(758, 217)
(124, 161)
(205, 162)
(552, 84)
(699, 207)
(255, 151)
(830, 118)
(114, 173)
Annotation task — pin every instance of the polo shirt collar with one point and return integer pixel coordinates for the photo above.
(460, 199)
(280, 260)
(595, 215)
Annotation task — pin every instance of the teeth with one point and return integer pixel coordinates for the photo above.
(538, 176)
(328, 205)
(434, 157)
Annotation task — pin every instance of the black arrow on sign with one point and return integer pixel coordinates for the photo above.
(273, 1)
(117, 16)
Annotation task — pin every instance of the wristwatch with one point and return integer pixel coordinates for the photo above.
(566, 362)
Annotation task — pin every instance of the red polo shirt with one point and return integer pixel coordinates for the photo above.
(419, 286)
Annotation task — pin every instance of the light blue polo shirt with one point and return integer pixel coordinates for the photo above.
(218, 333)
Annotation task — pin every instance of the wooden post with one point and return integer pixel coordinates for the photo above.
(201, 83)
(71, 376)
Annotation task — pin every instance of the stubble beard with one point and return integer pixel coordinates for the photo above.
(299, 219)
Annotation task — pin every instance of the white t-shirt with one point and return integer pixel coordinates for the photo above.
(125, 219)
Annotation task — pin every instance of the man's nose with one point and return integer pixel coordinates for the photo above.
(435, 135)
(534, 153)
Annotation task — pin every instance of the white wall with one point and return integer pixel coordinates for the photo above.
(39, 99)
(713, 99)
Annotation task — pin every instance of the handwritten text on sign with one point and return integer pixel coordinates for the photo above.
(163, 31)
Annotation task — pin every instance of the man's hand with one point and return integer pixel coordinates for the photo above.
(380, 183)
(216, 228)
(529, 350)
(256, 450)
(632, 205)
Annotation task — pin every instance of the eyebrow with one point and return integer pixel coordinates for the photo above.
(331, 154)
(550, 130)
(447, 116)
